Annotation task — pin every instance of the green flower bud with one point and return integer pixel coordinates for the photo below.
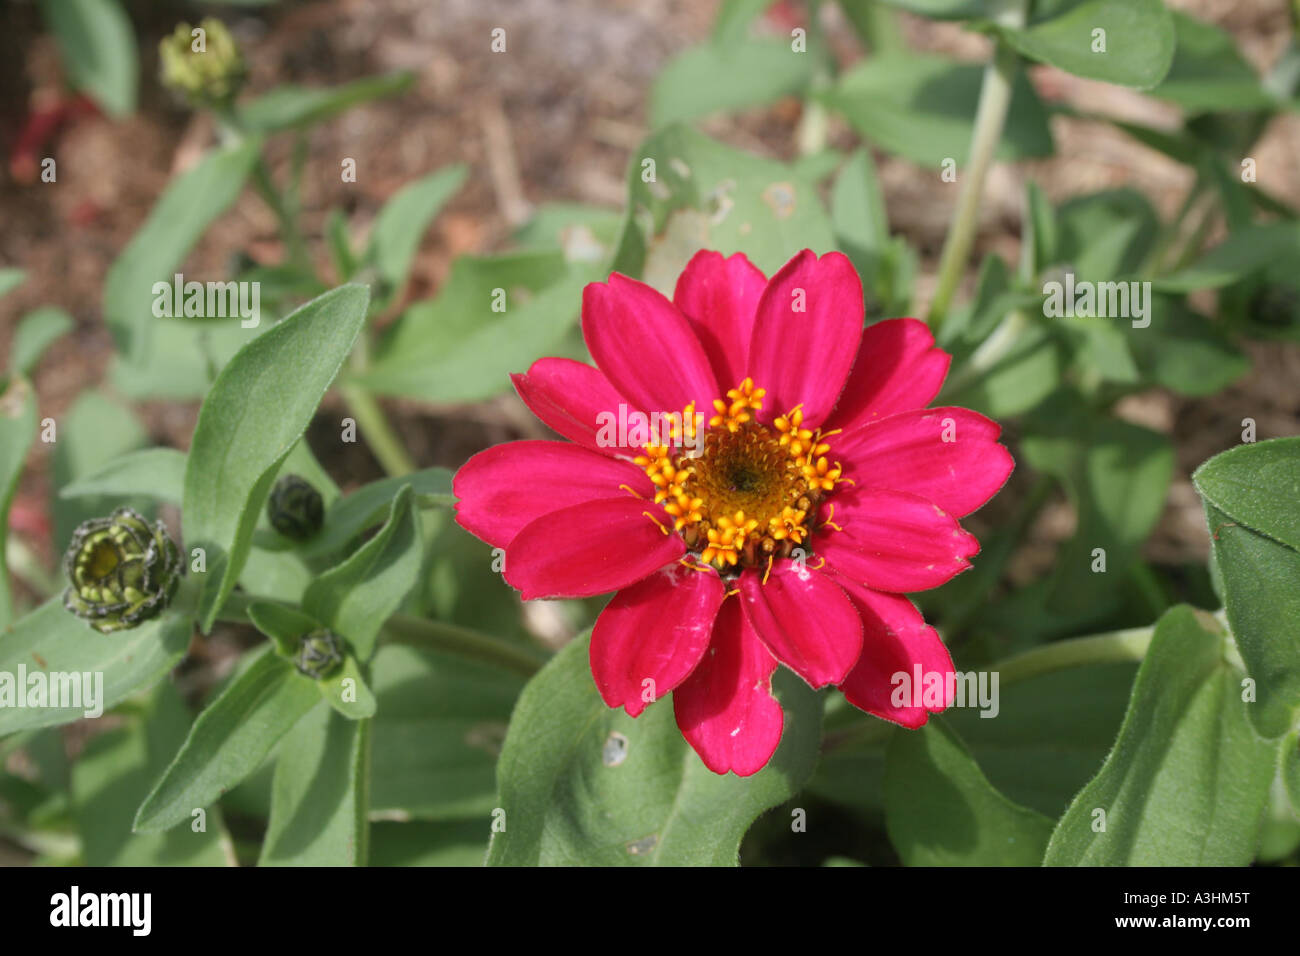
(202, 63)
(122, 571)
(295, 508)
(319, 654)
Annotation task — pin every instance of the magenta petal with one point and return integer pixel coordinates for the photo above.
(720, 298)
(656, 630)
(805, 620)
(894, 541)
(948, 455)
(646, 347)
(574, 400)
(897, 369)
(725, 709)
(806, 335)
(508, 486)
(587, 549)
(896, 641)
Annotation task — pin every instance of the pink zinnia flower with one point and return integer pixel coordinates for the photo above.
(779, 523)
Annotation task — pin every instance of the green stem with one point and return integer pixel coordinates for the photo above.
(1199, 233)
(1108, 648)
(995, 99)
(1169, 235)
(379, 435)
(371, 420)
(433, 635)
(265, 186)
(462, 642)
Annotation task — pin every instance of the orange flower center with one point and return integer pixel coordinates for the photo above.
(741, 493)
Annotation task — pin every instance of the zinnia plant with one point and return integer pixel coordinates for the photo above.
(779, 526)
(703, 590)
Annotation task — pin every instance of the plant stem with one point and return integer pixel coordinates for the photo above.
(372, 421)
(1111, 647)
(462, 642)
(995, 99)
(433, 635)
(379, 435)
(265, 185)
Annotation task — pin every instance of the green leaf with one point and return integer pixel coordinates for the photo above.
(715, 77)
(51, 640)
(1257, 485)
(1037, 751)
(318, 797)
(37, 331)
(369, 505)
(229, 740)
(290, 107)
(1139, 41)
(705, 195)
(1184, 351)
(258, 408)
(182, 214)
(98, 46)
(1242, 253)
(403, 221)
(438, 730)
(157, 473)
(454, 843)
(1020, 380)
(355, 598)
(1188, 779)
(1106, 235)
(1289, 769)
(114, 773)
(443, 352)
(1208, 72)
(734, 18)
(95, 431)
(941, 810)
(283, 625)
(1117, 475)
(584, 233)
(10, 279)
(183, 358)
(347, 691)
(340, 245)
(922, 107)
(1251, 494)
(943, 9)
(17, 431)
(1263, 604)
(581, 783)
(858, 206)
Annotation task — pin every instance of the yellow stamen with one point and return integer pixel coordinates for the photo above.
(740, 493)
